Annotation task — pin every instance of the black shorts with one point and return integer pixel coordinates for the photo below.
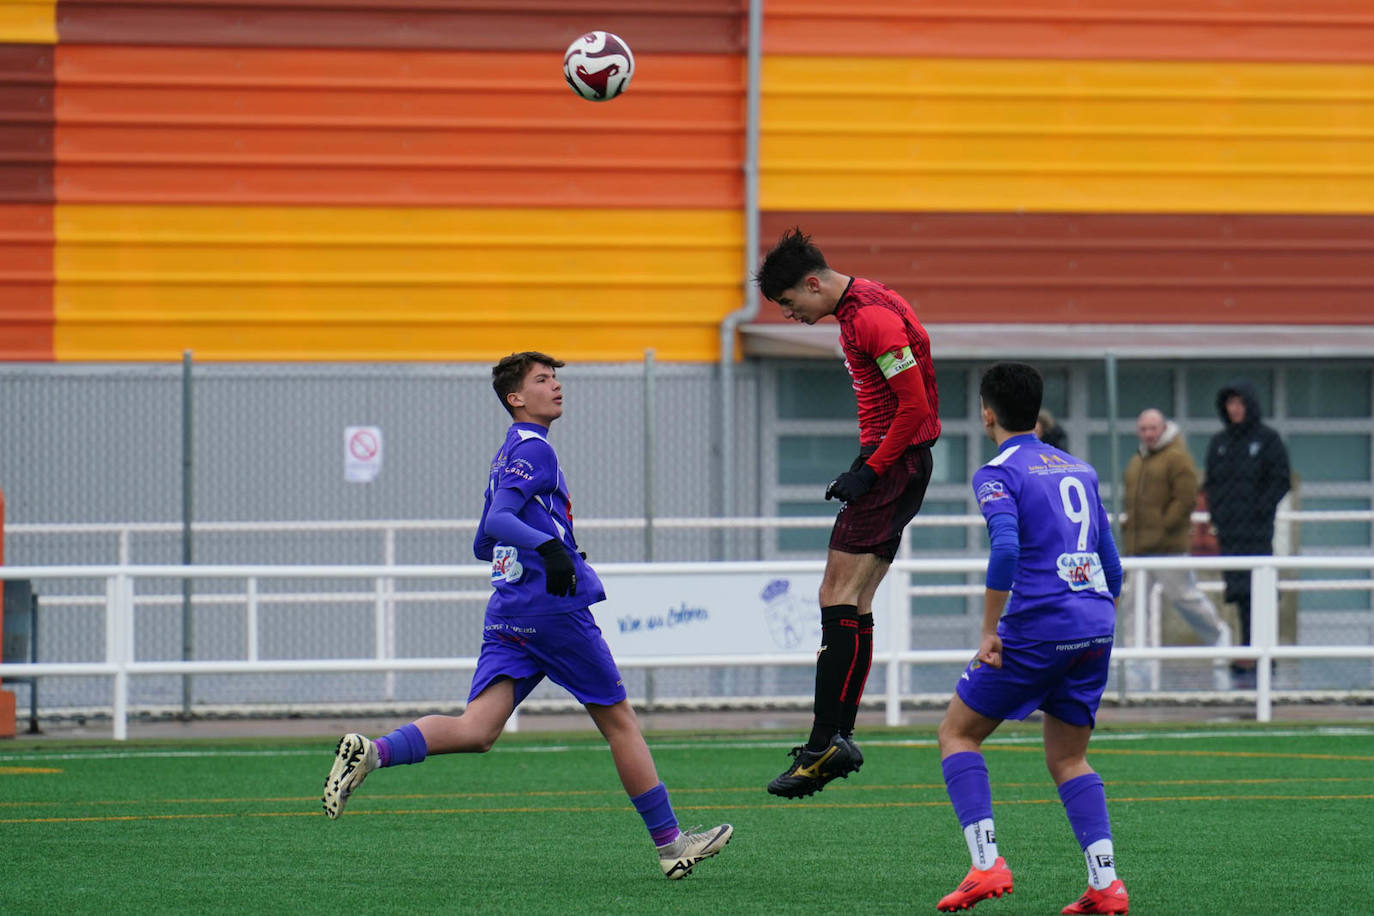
(874, 522)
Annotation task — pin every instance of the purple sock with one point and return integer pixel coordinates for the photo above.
(404, 745)
(658, 814)
(1085, 802)
(966, 780)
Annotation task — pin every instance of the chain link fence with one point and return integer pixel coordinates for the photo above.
(640, 444)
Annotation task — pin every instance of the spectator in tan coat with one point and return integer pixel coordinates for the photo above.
(1161, 484)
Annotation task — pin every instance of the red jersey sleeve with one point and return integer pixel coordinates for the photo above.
(882, 334)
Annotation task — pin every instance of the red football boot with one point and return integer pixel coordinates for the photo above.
(1111, 899)
(978, 885)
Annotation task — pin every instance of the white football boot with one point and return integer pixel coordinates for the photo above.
(354, 757)
(678, 857)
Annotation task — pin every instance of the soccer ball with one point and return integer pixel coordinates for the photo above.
(598, 66)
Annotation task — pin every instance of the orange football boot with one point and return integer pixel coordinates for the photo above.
(1111, 899)
(978, 885)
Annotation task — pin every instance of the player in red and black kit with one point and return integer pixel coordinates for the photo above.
(887, 353)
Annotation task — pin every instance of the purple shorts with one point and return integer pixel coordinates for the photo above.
(568, 648)
(1065, 679)
(874, 522)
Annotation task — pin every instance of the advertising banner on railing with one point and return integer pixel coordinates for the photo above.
(723, 614)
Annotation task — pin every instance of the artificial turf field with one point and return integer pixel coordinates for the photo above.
(1226, 819)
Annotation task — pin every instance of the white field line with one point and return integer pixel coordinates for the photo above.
(324, 751)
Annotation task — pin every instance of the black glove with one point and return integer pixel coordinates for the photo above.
(850, 485)
(559, 577)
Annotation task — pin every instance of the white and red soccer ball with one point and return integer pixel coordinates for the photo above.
(598, 66)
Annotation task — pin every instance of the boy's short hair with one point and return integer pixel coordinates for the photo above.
(791, 259)
(1013, 392)
(510, 372)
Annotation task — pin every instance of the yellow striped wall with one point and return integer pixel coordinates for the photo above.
(28, 21)
(1073, 135)
(323, 283)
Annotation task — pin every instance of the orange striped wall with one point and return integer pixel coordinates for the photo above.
(657, 26)
(1213, 30)
(1128, 268)
(26, 195)
(407, 128)
(349, 180)
(1124, 161)
(343, 179)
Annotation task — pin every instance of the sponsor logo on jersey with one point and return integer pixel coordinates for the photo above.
(521, 468)
(1082, 571)
(991, 490)
(505, 565)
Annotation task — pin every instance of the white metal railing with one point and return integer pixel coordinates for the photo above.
(387, 529)
(120, 607)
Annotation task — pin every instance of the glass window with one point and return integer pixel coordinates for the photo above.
(1333, 534)
(1342, 600)
(1316, 456)
(812, 540)
(815, 393)
(1197, 446)
(939, 605)
(1205, 382)
(1100, 456)
(1137, 388)
(1333, 392)
(952, 385)
(1056, 396)
(814, 459)
(950, 458)
(941, 539)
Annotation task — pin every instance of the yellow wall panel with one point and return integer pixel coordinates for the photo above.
(391, 283)
(393, 340)
(28, 21)
(909, 134)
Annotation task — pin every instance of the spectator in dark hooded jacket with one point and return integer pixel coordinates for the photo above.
(1048, 431)
(1247, 475)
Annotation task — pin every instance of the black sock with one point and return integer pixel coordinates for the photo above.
(835, 665)
(863, 661)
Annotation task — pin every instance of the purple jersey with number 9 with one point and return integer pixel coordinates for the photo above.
(1060, 590)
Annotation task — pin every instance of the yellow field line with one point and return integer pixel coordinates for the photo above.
(616, 793)
(1096, 750)
(562, 809)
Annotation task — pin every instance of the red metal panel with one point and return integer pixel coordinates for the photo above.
(400, 128)
(701, 26)
(26, 193)
(26, 122)
(26, 282)
(1256, 30)
(1105, 268)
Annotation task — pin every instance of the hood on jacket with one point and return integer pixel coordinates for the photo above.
(1170, 433)
(1247, 392)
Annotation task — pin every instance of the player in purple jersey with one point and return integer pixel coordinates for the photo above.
(537, 625)
(1049, 612)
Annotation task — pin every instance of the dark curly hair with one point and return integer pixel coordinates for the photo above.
(792, 258)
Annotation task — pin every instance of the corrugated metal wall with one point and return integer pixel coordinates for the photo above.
(338, 179)
(26, 185)
(344, 180)
(1125, 161)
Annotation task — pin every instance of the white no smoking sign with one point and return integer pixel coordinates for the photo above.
(362, 453)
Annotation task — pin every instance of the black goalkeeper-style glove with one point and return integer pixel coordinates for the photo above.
(851, 485)
(559, 576)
